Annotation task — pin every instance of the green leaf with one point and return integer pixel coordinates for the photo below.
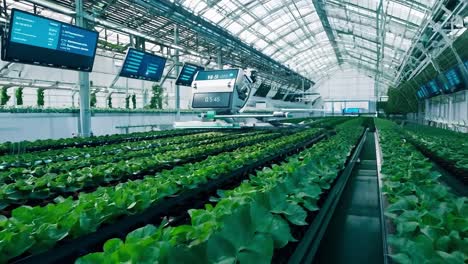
(443, 243)
(401, 258)
(220, 250)
(93, 258)
(455, 257)
(407, 227)
(112, 245)
(295, 214)
(259, 250)
(140, 233)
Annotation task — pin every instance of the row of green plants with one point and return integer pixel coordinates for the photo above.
(75, 110)
(246, 224)
(34, 160)
(156, 99)
(447, 146)
(35, 229)
(93, 100)
(48, 144)
(96, 161)
(51, 185)
(4, 97)
(430, 223)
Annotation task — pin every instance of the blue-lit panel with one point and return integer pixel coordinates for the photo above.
(452, 78)
(424, 91)
(419, 94)
(187, 74)
(217, 75)
(351, 110)
(41, 41)
(433, 88)
(142, 65)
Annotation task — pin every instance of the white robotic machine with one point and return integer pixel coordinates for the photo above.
(223, 94)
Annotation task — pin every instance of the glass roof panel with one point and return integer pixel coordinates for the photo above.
(292, 32)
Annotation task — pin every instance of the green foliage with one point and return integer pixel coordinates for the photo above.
(49, 144)
(95, 110)
(134, 101)
(157, 97)
(23, 166)
(54, 179)
(40, 97)
(127, 102)
(115, 47)
(402, 100)
(248, 222)
(109, 101)
(19, 96)
(451, 147)
(93, 99)
(4, 97)
(431, 222)
(90, 210)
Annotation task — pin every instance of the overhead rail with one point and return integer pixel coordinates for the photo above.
(159, 19)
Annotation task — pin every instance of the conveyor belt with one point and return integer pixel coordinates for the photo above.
(354, 233)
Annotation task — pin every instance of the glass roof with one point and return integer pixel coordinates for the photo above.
(373, 35)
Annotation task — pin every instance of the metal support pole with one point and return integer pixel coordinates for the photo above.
(219, 59)
(83, 80)
(450, 110)
(177, 69)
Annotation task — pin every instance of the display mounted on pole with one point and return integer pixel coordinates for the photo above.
(187, 74)
(143, 66)
(41, 41)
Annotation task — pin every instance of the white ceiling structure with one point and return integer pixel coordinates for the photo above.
(317, 37)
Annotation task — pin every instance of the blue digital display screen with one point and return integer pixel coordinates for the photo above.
(41, 41)
(351, 110)
(433, 87)
(187, 74)
(424, 91)
(418, 93)
(217, 75)
(452, 78)
(143, 65)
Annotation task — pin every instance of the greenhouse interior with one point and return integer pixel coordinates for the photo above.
(234, 131)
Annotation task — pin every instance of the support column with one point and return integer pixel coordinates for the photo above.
(176, 61)
(219, 59)
(83, 80)
(449, 111)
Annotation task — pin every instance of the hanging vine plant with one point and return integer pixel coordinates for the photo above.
(40, 97)
(127, 102)
(157, 98)
(19, 96)
(109, 101)
(4, 96)
(93, 99)
(134, 101)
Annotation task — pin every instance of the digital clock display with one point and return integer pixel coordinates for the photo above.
(211, 100)
(217, 75)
